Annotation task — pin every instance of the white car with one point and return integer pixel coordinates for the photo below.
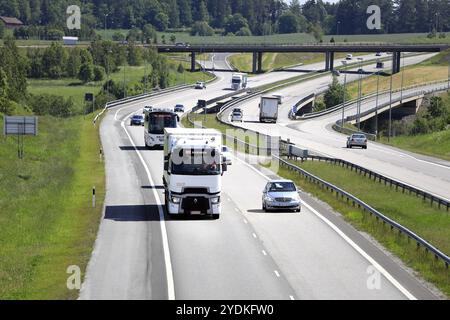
(349, 57)
(237, 116)
(200, 85)
(226, 155)
(147, 109)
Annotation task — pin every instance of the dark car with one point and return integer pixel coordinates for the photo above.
(179, 108)
(137, 120)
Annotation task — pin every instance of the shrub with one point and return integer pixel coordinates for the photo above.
(57, 106)
(99, 73)
(7, 107)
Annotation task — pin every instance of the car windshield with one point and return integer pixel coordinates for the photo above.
(282, 187)
(137, 117)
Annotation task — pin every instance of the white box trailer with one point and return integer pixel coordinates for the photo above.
(193, 169)
(268, 109)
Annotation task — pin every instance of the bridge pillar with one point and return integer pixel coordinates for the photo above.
(327, 61)
(396, 62)
(193, 61)
(254, 62)
(260, 55)
(331, 56)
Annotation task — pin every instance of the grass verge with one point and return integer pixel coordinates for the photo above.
(427, 221)
(46, 215)
(436, 144)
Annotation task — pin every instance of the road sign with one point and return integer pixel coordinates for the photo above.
(89, 97)
(24, 126)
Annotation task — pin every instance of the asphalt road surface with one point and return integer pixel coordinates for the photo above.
(247, 254)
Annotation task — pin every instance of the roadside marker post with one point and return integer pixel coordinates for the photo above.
(93, 197)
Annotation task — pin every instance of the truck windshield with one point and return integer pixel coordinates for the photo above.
(158, 121)
(197, 164)
(236, 80)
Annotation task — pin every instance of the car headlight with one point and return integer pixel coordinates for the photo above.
(269, 198)
(175, 199)
(215, 200)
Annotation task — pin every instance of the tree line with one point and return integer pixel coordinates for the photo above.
(238, 17)
(95, 63)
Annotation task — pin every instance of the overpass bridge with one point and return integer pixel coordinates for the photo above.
(328, 49)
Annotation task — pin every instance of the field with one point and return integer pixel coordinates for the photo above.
(46, 215)
(75, 89)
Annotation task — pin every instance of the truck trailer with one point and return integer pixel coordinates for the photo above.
(193, 169)
(268, 109)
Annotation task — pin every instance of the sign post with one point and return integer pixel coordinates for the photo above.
(20, 127)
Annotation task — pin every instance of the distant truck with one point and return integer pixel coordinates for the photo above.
(268, 109)
(239, 81)
(193, 168)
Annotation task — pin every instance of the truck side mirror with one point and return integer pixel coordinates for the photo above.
(166, 165)
(224, 167)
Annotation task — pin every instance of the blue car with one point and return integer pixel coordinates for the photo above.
(179, 108)
(137, 120)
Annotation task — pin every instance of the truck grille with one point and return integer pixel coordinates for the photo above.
(195, 204)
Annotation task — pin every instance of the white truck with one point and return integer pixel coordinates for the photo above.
(268, 109)
(239, 81)
(193, 169)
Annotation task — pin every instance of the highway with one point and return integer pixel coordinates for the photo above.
(429, 174)
(247, 254)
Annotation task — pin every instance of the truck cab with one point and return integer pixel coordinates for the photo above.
(193, 169)
(239, 81)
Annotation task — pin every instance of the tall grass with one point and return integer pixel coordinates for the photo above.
(47, 221)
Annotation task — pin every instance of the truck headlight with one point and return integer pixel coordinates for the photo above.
(175, 199)
(215, 200)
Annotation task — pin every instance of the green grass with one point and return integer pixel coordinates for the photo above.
(305, 38)
(435, 144)
(429, 222)
(273, 61)
(46, 214)
(70, 87)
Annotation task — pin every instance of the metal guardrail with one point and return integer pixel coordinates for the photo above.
(379, 216)
(145, 96)
(115, 103)
(387, 181)
(366, 97)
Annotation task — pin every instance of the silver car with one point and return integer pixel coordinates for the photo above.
(357, 140)
(281, 195)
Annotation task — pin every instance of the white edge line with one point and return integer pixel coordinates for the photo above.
(166, 250)
(358, 249)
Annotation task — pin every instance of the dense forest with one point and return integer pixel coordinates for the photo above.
(238, 17)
